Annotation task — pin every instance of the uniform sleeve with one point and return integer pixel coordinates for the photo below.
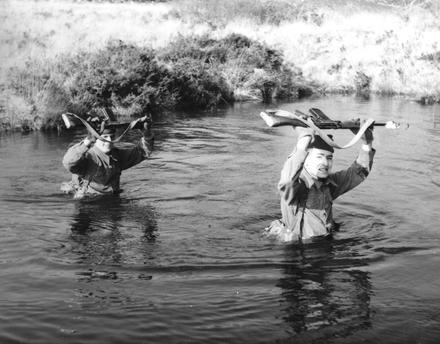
(134, 154)
(289, 182)
(75, 159)
(348, 179)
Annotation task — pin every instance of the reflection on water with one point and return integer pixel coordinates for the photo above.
(180, 256)
(107, 234)
(108, 213)
(102, 228)
(322, 299)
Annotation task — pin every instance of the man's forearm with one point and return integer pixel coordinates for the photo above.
(295, 161)
(366, 155)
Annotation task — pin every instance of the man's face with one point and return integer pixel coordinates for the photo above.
(104, 146)
(319, 163)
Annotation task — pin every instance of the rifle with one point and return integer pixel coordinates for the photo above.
(104, 119)
(278, 118)
(318, 120)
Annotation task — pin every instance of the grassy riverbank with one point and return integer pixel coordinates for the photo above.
(137, 56)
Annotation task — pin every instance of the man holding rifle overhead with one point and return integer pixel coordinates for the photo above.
(96, 163)
(308, 187)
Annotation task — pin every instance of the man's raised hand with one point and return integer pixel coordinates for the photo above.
(367, 138)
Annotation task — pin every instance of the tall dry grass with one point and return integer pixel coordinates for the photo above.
(396, 43)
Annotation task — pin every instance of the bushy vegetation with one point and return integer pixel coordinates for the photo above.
(190, 73)
(248, 69)
(121, 76)
(183, 54)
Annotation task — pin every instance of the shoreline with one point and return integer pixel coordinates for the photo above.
(326, 51)
(59, 127)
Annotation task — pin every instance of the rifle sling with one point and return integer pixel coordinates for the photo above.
(329, 141)
(95, 134)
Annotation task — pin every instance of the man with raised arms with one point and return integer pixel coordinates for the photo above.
(308, 187)
(96, 165)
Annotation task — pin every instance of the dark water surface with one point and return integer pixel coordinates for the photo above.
(181, 257)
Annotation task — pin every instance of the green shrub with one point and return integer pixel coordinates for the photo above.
(121, 76)
(236, 62)
(40, 86)
(190, 73)
(199, 86)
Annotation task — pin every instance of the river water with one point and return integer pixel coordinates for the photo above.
(181, 256)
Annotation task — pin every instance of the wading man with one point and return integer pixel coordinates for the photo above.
(96, 165)
(308, 187)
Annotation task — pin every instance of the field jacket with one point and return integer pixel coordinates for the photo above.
(306, 203)
(95, 172)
